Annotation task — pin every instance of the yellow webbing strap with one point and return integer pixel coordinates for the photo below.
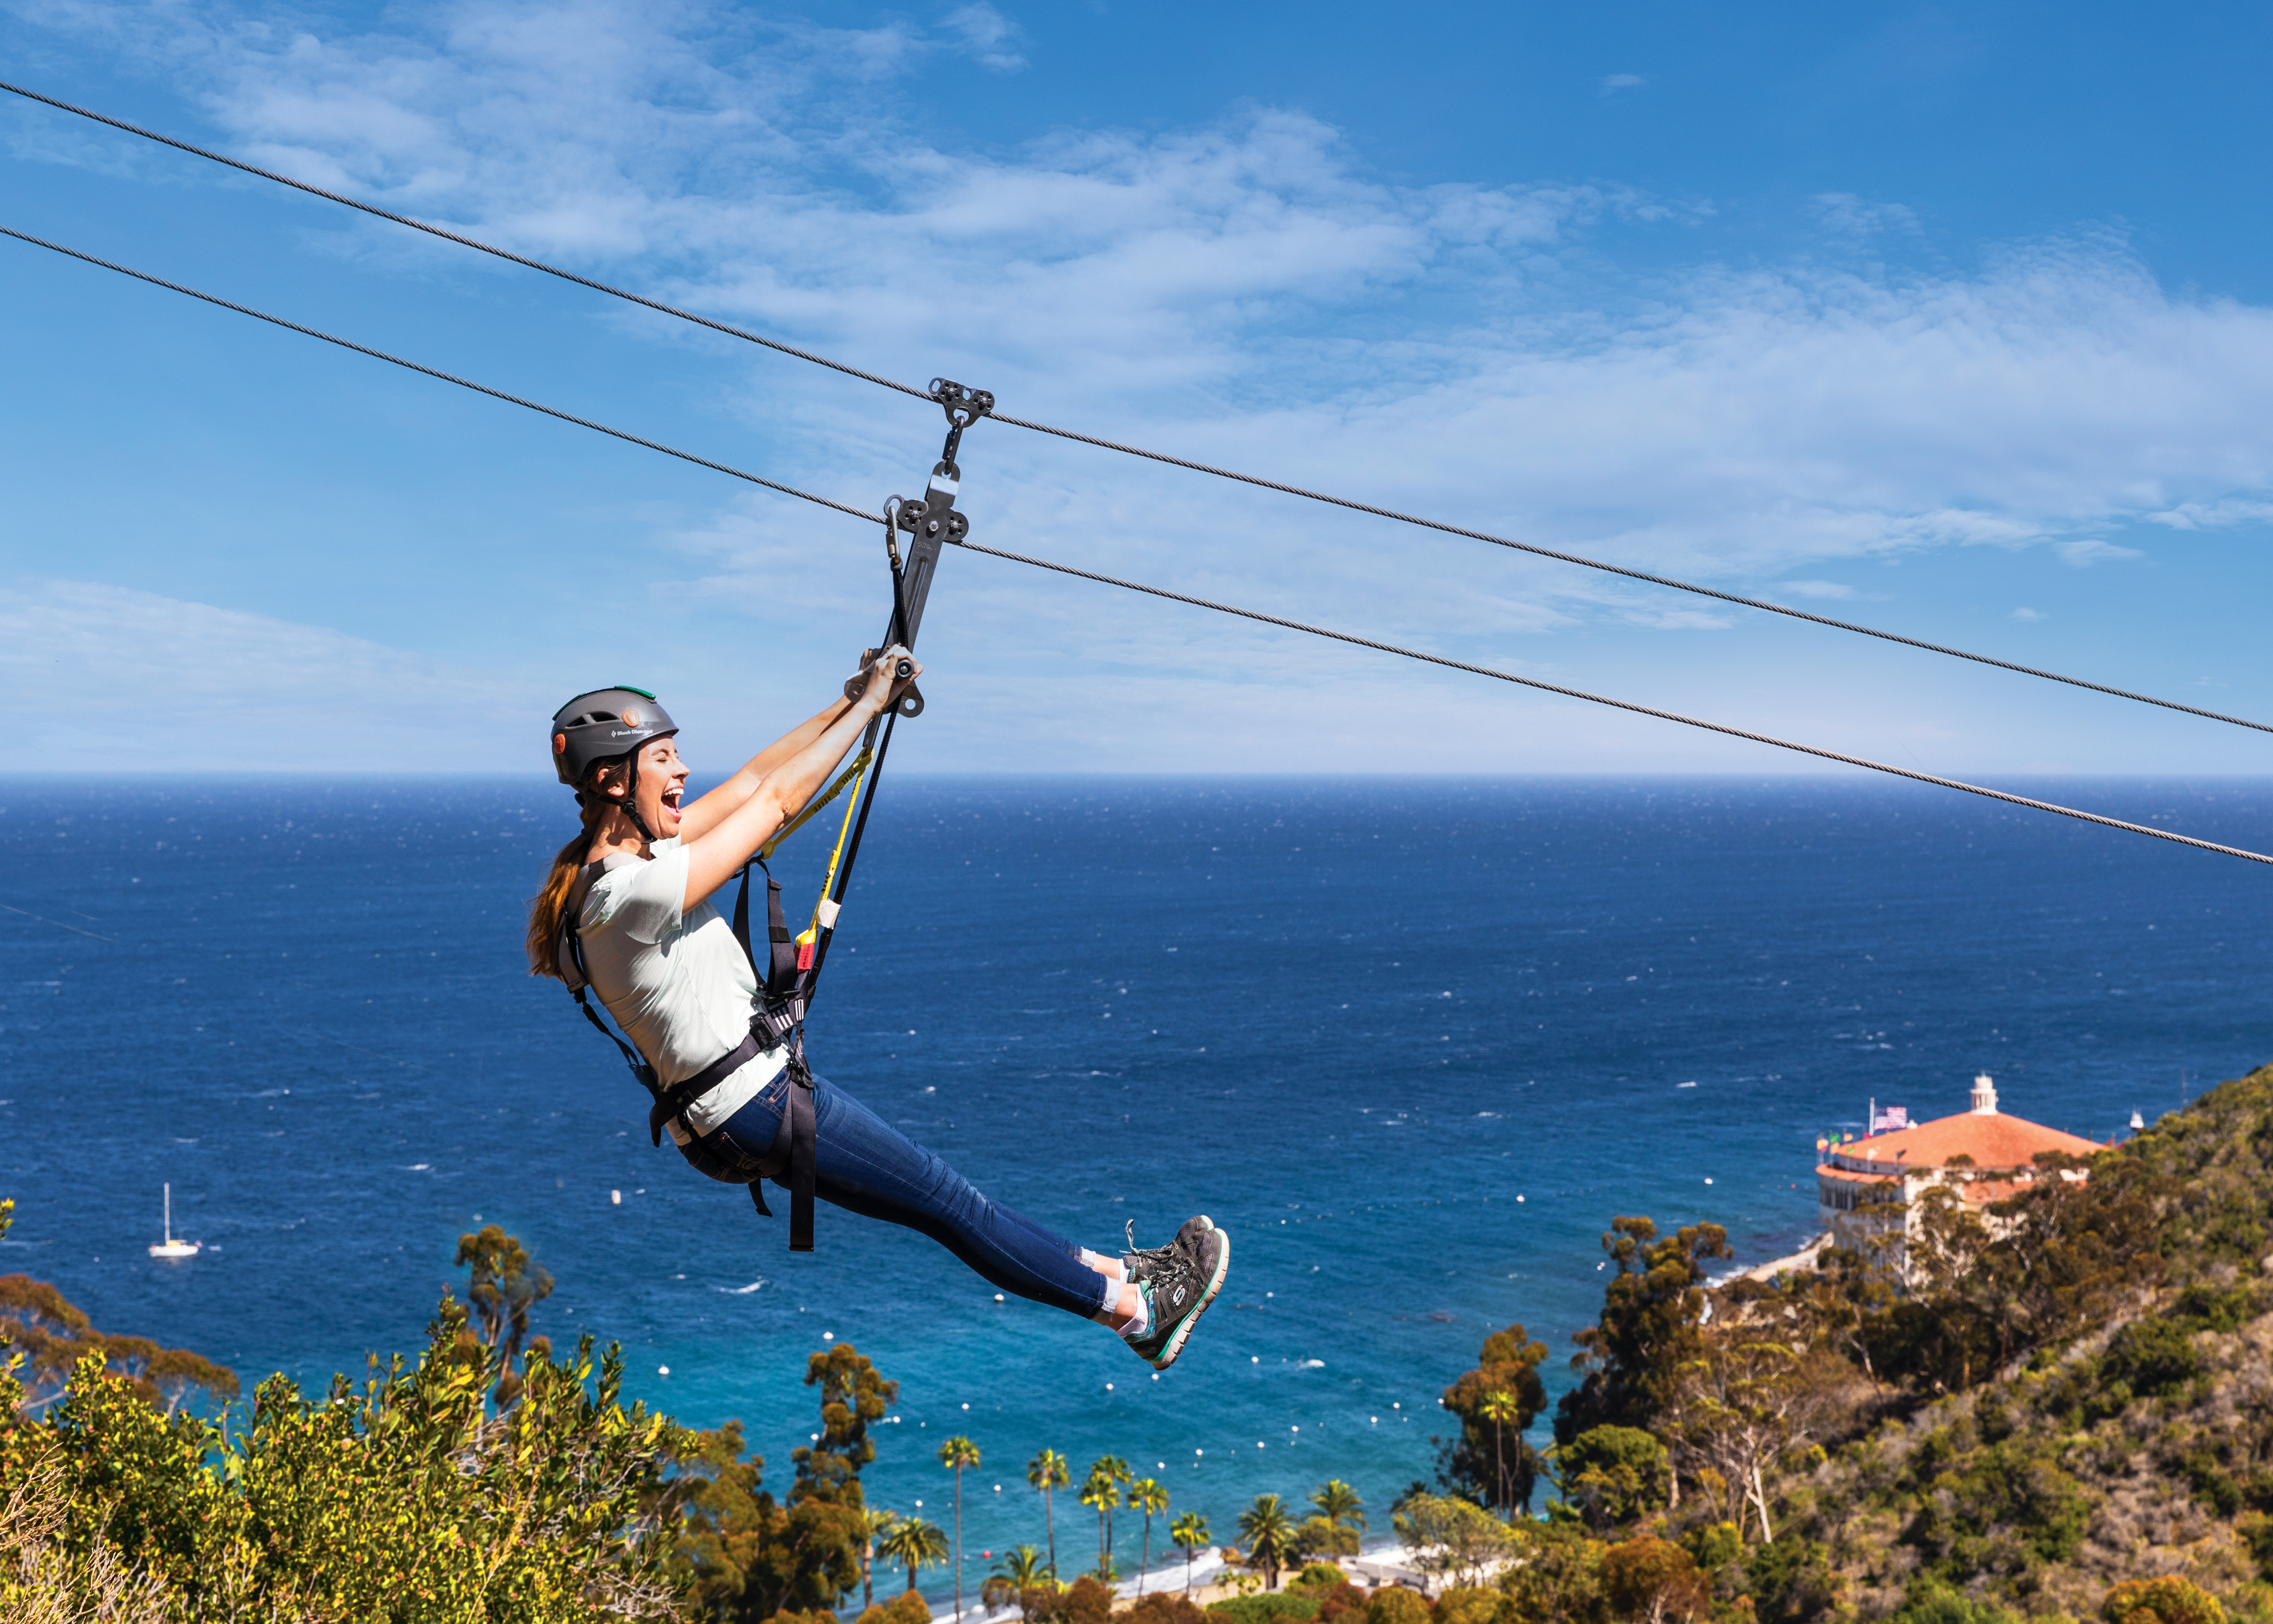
(860, 765)
(844, 831)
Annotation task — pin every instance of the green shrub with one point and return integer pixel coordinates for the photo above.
(1264, 1608)
(1393, 1604)
(2170, 1600)
(2152, 1357)
(1930, 1601)
(1317, 1578)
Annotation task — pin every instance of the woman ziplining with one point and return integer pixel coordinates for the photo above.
(626, 908)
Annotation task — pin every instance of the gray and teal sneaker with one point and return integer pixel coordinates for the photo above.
(1178, 1287)
(1138, 1263)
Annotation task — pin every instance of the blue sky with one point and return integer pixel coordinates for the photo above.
(1956, 321)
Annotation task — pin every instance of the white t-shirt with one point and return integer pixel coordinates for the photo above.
(676, 983)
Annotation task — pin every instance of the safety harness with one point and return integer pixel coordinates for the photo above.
(793, 964)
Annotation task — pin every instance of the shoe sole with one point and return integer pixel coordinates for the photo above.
(1182, 1332)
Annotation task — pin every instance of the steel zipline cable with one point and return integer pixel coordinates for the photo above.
(865, 517)
(1350, 503)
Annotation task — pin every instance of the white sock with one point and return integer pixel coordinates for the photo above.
(1112, 1268)
(1143, 1322)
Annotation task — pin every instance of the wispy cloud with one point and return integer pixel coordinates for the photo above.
(1611, 84)
(1815, 589)
(2025, 613)
(2082, 554)
(1848, 215)
(991, 38)
(280, 691)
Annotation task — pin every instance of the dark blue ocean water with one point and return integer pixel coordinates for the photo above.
(1354, 1020)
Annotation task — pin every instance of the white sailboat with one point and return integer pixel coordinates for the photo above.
(170, 1246)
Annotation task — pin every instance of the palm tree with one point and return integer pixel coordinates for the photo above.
(1046, 1472)
(1501, 1410)
(1267, 1527)
(1190, 1530)
(956, 1453)
(912, 1543)
(1149, 1497)
(1100, 1491)
(1022, 1569)
(1339, 1503)
(876, 1521)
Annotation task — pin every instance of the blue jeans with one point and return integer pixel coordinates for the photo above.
(865, 1165)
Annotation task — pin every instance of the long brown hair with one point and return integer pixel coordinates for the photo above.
(550, 905)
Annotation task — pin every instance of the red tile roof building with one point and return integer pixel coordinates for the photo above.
(1900, 1166)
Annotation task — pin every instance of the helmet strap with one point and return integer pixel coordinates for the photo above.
(631, 801)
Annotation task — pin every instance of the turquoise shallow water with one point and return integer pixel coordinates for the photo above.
(1353, 1020)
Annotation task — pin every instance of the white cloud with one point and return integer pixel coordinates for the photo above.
(990, 37)
(2213, 515)
(1848, 215)
(1613, 83)
(173, 685)
(2027, 614)
(1815, 588)
(2082, 554)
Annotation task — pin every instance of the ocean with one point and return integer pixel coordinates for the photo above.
(1413, 1043)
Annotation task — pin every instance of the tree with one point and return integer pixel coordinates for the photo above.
(404, 1496)
(503, 1285)
(1190, 1532)
(912, 1543)
(1743, 1403)
(52, 1336)
(956, 1453)
(1654, 1581)
(876, 1522)
(1340, 1504)
(1048, 1471)
(1651, 1309)
(1023, 1573)
(1100, 1491)
(1147, 1496)
(806, 1553)
(2168, 1600)
(1455, 1538)
(1495, 1403)
(1269, 1529)
(1610, 1474)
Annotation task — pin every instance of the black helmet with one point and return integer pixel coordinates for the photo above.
(602, 724)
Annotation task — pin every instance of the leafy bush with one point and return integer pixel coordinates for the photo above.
(2152, 1357)
(1930, 1601)
(2170, 1600)
(1467, 1605)
(1264, 1608)
(1317, 1578)
(1393, 1604)
(1161, 1607)
(403, 1497)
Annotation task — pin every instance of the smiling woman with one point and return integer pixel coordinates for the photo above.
(625, 911)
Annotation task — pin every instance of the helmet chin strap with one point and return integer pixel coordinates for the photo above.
(631, 801)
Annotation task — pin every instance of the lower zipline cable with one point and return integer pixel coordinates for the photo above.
(867, 518)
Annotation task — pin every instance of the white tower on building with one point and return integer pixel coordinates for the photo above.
(1985, 1095)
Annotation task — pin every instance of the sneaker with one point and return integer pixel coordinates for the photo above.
(1181, 1287)
(1138, 1263)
